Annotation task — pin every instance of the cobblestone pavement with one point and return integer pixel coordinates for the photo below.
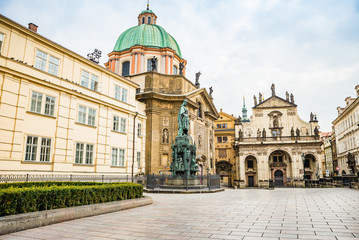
(233, 214)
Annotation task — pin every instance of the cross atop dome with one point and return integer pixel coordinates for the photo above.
(147, 16)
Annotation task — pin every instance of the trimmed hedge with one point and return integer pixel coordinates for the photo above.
(24, 198)
(46, 184)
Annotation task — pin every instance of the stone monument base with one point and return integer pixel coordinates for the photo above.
(177, 182)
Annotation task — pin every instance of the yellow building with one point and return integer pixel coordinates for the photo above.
(225, 154)
(62, 113)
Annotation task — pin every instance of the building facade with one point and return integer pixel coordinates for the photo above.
(149, 56)
(327, 153)
(276, 145)
(347, 136)
(61, 113)
(225, 155)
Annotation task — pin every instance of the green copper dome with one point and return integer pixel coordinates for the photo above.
(148, 35)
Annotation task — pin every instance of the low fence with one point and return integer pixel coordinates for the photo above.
(336, 181)
(70, 177)
(165, 181)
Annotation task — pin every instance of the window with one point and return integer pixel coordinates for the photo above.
(118, 157)
(250, 164)
(219, 139)
(199, 111)
(45, 149)
(126, 68)
(116, 123)
(85, 111)
(85, 80)
(49, 106)
(225, 139)
(123, 125)
(149, 65)
(224, 125)
(120, 93)
(143, 20)
(219, 125)
(32, 149)
(306, 163)
(149, 20)
(80, 151)
(1, 41)
(37, 104)
(139, 130)
(174, 70)
(41, 62)
(36, 100)
(138, 159)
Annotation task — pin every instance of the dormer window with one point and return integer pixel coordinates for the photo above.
(149, 20)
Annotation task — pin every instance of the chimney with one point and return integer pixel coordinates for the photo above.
(33, 27)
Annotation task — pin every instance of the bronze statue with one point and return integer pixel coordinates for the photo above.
(181, 67)
(183, 119)
(154, 64)
(197, 79)
(210, 91)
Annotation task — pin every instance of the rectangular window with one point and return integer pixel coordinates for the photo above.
(94, 82)
(85, 76)
(225, 139)
(114, 156)
(89, 153)
(219, 125)
(79, 153)
(53, 65)
(224, 125)
(124, 95)
(116, 123)
(149, 65)
(82, 114)
(219, 139)
(138, 159)
(118, 157)
(49, 106)
(121, 157)
(36, 101)
(40, 61)
(1, 41)
(123, 125)
(117, 92)
(250, 163)
(45, 150)
(139, 130)
(92, 117)
(31, 148)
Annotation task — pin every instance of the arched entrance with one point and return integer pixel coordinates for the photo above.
(224, 169)
(278, 178)
(251, 171)
(310, 167)
(281, 168)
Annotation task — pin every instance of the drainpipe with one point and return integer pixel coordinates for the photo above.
(133, 146)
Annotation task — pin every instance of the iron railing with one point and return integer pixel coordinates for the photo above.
(69, 177)
(164, 181)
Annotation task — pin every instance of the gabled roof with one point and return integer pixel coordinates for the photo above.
(274, 102)
(230, 117)
(206, 97)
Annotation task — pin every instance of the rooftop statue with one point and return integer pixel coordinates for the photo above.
(197, 79)
(273, 89)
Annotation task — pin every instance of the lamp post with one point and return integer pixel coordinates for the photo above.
(303, 159)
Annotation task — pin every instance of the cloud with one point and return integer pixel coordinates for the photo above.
(308, 48)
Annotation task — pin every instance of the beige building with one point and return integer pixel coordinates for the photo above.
(271, 145)
(149, 56)
(347, 135)
(225, 154)
(327, 153)
(61, 113)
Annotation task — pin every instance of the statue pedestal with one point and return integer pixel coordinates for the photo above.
(182, 182)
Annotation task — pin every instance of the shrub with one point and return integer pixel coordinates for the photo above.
(26, 197)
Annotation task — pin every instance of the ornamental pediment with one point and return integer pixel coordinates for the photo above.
(275, 102)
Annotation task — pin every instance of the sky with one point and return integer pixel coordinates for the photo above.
(308, 48)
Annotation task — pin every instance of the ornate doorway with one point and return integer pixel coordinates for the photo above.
(278, 178)
(224, 169)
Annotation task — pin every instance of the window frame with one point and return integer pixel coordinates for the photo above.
(47, 62)
(85, 154)
(139, 129)
(88, 119)
(40, 104)
(2, 39)
(120, 157)
(36, 151)
(138, 158)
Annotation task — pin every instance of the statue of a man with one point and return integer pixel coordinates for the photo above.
(316, 132)
(292, 132)
(210, 91)
(197, 79)
(255, 100)
(183, 119)
(260, 97)
(287, 96)
(181, 67)
(297, 132)
(273, 89)
(154, 63)
(311, 116)
(264, 134)
(291, 98)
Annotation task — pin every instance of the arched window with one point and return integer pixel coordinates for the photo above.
(126, 68)
(149, 65)
(174, 70)
(143, 20)
(199, 113)
(149, 20)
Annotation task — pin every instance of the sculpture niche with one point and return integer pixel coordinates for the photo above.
(183, 151)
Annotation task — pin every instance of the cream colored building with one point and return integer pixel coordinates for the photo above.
(347, 135)
(61, 113)
(271, 145)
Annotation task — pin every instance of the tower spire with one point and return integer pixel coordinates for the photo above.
(148, 4)
(244, 111)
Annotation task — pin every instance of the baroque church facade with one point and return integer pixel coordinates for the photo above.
(149, 56)
(276, 145)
